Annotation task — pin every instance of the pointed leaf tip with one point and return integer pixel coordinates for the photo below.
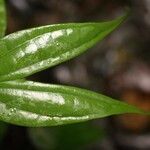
(26, 52)
(35, 104)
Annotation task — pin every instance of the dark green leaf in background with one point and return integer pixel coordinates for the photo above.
(74, 136)
(2, 18)
(33, 104)
(27, 52)
(3, 128)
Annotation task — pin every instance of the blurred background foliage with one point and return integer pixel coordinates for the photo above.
(75, 136)
(119, 66)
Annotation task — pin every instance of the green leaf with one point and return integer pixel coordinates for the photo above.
(3, 129)
(2, 18)
(34, 104)
(27, 52)
(56, 138)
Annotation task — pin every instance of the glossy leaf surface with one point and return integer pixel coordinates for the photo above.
(27, 52)
(2, 18)
(34, 104)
